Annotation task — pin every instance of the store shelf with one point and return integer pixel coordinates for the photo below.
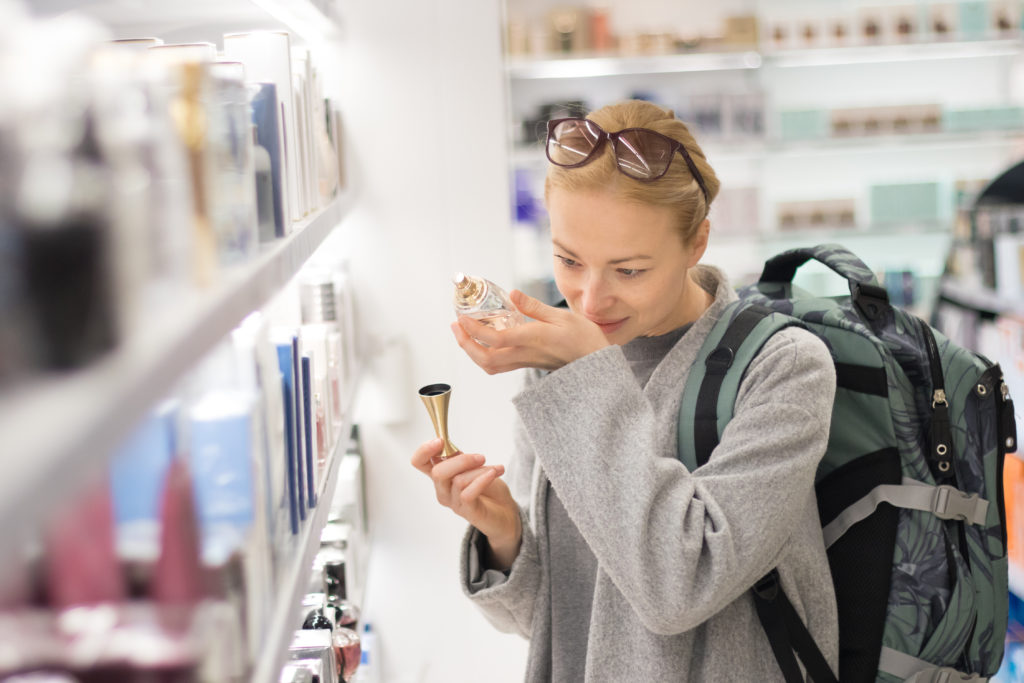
(61, 428)
(774, 236)
(592, 67)
(719, 150)
(979, 299)
(303, 18)
(288, 613)
(903, 52)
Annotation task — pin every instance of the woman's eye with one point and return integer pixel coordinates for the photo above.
(631, 272)
(567, 262)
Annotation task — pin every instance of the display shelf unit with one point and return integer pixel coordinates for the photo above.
(59, 429)
(287, 615)
(538, 68)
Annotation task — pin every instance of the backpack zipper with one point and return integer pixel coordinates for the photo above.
(941, 433)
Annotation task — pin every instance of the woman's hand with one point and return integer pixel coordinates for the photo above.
(474, 492)
(555, 337)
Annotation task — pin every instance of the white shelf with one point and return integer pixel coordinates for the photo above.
(533, 155)
(522, 68)
(902, 52)
(135, 18)
(63, 427)
(896, 231)
(977, 298)
(288, 613)
(590, 67)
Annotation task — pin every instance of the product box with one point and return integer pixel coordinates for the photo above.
(138, 474)
(973, 19)
(233, 210)
(809, 124)
(905, 203)
(267, 59)
(296, 506)
(943, 21)
(735, 212)
(816, 214)
(266, 118)
(740, 31)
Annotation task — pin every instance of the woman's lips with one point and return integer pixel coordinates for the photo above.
(610, 327)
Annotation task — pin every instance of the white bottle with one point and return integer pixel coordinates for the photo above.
(485, 301)
(369, 664)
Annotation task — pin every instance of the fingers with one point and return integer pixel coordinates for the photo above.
(421, 458)
(534, 308)
(453, 476)
(472, 490)
(491, 359)
(479, 332)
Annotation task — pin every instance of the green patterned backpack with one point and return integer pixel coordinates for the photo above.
(909, 490)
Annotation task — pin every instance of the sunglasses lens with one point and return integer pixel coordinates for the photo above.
(643, 154)
(572, 142)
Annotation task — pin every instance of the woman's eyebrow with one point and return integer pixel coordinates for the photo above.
(638, 257)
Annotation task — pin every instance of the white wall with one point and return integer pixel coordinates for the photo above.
(424, 99)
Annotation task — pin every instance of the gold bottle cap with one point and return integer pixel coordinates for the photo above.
(468, 290)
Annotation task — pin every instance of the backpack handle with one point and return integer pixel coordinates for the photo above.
(870, 298)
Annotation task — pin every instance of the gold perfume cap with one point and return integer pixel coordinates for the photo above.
(435, 397)
(468, 290)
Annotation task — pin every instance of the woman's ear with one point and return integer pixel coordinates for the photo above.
(699, 244)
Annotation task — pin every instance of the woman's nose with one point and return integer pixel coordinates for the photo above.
(595, 295)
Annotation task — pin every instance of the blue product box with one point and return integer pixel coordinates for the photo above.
(284, 357)
(140, 467)
(221, 430)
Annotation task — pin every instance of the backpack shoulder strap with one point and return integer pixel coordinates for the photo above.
(709, 397)
(713, 383)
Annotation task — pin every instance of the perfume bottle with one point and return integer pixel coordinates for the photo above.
(485, 301)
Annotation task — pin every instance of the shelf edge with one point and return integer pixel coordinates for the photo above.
(287, 614)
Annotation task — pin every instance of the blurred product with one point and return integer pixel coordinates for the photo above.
(817, 214)
(267, 57)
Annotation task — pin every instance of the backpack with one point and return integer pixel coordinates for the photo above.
(909, 491)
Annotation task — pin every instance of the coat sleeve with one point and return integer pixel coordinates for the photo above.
(678, 545)
(507, 598)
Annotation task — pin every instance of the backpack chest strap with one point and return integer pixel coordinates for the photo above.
(944, 501)
(914, 670)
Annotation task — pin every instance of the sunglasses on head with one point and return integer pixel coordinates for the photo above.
(640, 153)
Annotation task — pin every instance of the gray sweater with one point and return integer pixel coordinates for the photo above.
(676, 551)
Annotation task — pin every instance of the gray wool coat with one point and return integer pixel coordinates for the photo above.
(677, 551)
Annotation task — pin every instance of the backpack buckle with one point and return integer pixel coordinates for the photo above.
(719, 360)
(944, 674)
(767, 587)
(950, 502)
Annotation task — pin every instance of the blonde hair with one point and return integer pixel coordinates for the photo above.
(677, 189)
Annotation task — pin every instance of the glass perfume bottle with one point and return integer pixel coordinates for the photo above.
(485, 301)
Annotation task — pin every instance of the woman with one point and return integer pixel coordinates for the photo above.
(615, 561)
